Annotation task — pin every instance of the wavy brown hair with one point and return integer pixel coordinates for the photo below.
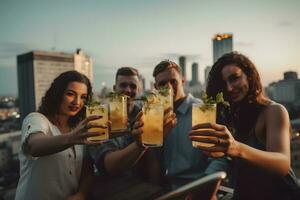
(52, 100)
(241, 116)
(216, 83)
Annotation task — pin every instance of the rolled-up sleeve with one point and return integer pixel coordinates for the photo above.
(33, 123)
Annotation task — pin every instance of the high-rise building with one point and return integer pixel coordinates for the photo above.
(83, 64)
(285, 91)
(206, 73)
(37, 70)
(142, 82)
(222, 43)
(182, 62)
(195, 75)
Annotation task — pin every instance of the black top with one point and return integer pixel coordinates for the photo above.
(252, 182)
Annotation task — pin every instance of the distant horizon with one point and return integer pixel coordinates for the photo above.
(141, 33)
(98, 90)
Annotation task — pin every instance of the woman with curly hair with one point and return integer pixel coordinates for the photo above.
(256, 132)
(52, 164)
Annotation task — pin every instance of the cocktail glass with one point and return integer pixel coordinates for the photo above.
(101, 110)
(203, 113)
(153, 124)
(118, 113)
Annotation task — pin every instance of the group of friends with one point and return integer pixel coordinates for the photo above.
(251, 137)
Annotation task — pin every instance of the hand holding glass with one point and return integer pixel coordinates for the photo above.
(118, 113)
(203, 113)
(153, 124)
(101, 110)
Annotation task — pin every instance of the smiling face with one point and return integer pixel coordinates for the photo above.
(236, 83)
(73, 99)
(128, 85)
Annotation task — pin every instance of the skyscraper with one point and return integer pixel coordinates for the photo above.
(182, 60)
(286, 91)
(142, 82)
(206, 73)
(37, 70)
(222, 43)
(195, 76)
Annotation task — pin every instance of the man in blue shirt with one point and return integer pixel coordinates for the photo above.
(181, 162)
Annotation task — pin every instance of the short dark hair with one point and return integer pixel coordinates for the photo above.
(164, 65)
(127, 71)
(52, 100)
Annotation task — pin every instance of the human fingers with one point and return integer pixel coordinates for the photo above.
(211, 140)
(138, 124)
(169, 117)
(94, 133)
(217, 127)
(215, 148)
(166, 111)
(171, 123)
(209, 132)
(89, 118)
(139, 116)
(92, 117)
(96, 125)
(137, 132)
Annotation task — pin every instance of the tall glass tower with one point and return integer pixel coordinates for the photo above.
(222, 43)
(182, 61)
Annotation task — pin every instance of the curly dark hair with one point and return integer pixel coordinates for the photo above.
(216, 83)
(52, 100)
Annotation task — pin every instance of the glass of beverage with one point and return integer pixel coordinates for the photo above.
(153, 124)
(118, 113)
(203, 113)
(102, 110)
(165, 95)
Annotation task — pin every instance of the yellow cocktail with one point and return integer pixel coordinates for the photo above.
(101, 110)
(153, 125)
(118, 113)
(203, 113)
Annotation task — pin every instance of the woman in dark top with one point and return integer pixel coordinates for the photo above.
(256, 135)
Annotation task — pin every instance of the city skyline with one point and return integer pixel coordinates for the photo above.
(142, 33)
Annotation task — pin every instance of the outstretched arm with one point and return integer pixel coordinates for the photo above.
(40, 144)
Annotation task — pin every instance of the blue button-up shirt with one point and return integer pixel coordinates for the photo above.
(183, 162)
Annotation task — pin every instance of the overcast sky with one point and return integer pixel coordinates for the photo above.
(140, 33)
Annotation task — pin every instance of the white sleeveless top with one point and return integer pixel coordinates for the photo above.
(48, 177)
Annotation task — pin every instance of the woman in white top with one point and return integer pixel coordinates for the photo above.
(52, 165)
